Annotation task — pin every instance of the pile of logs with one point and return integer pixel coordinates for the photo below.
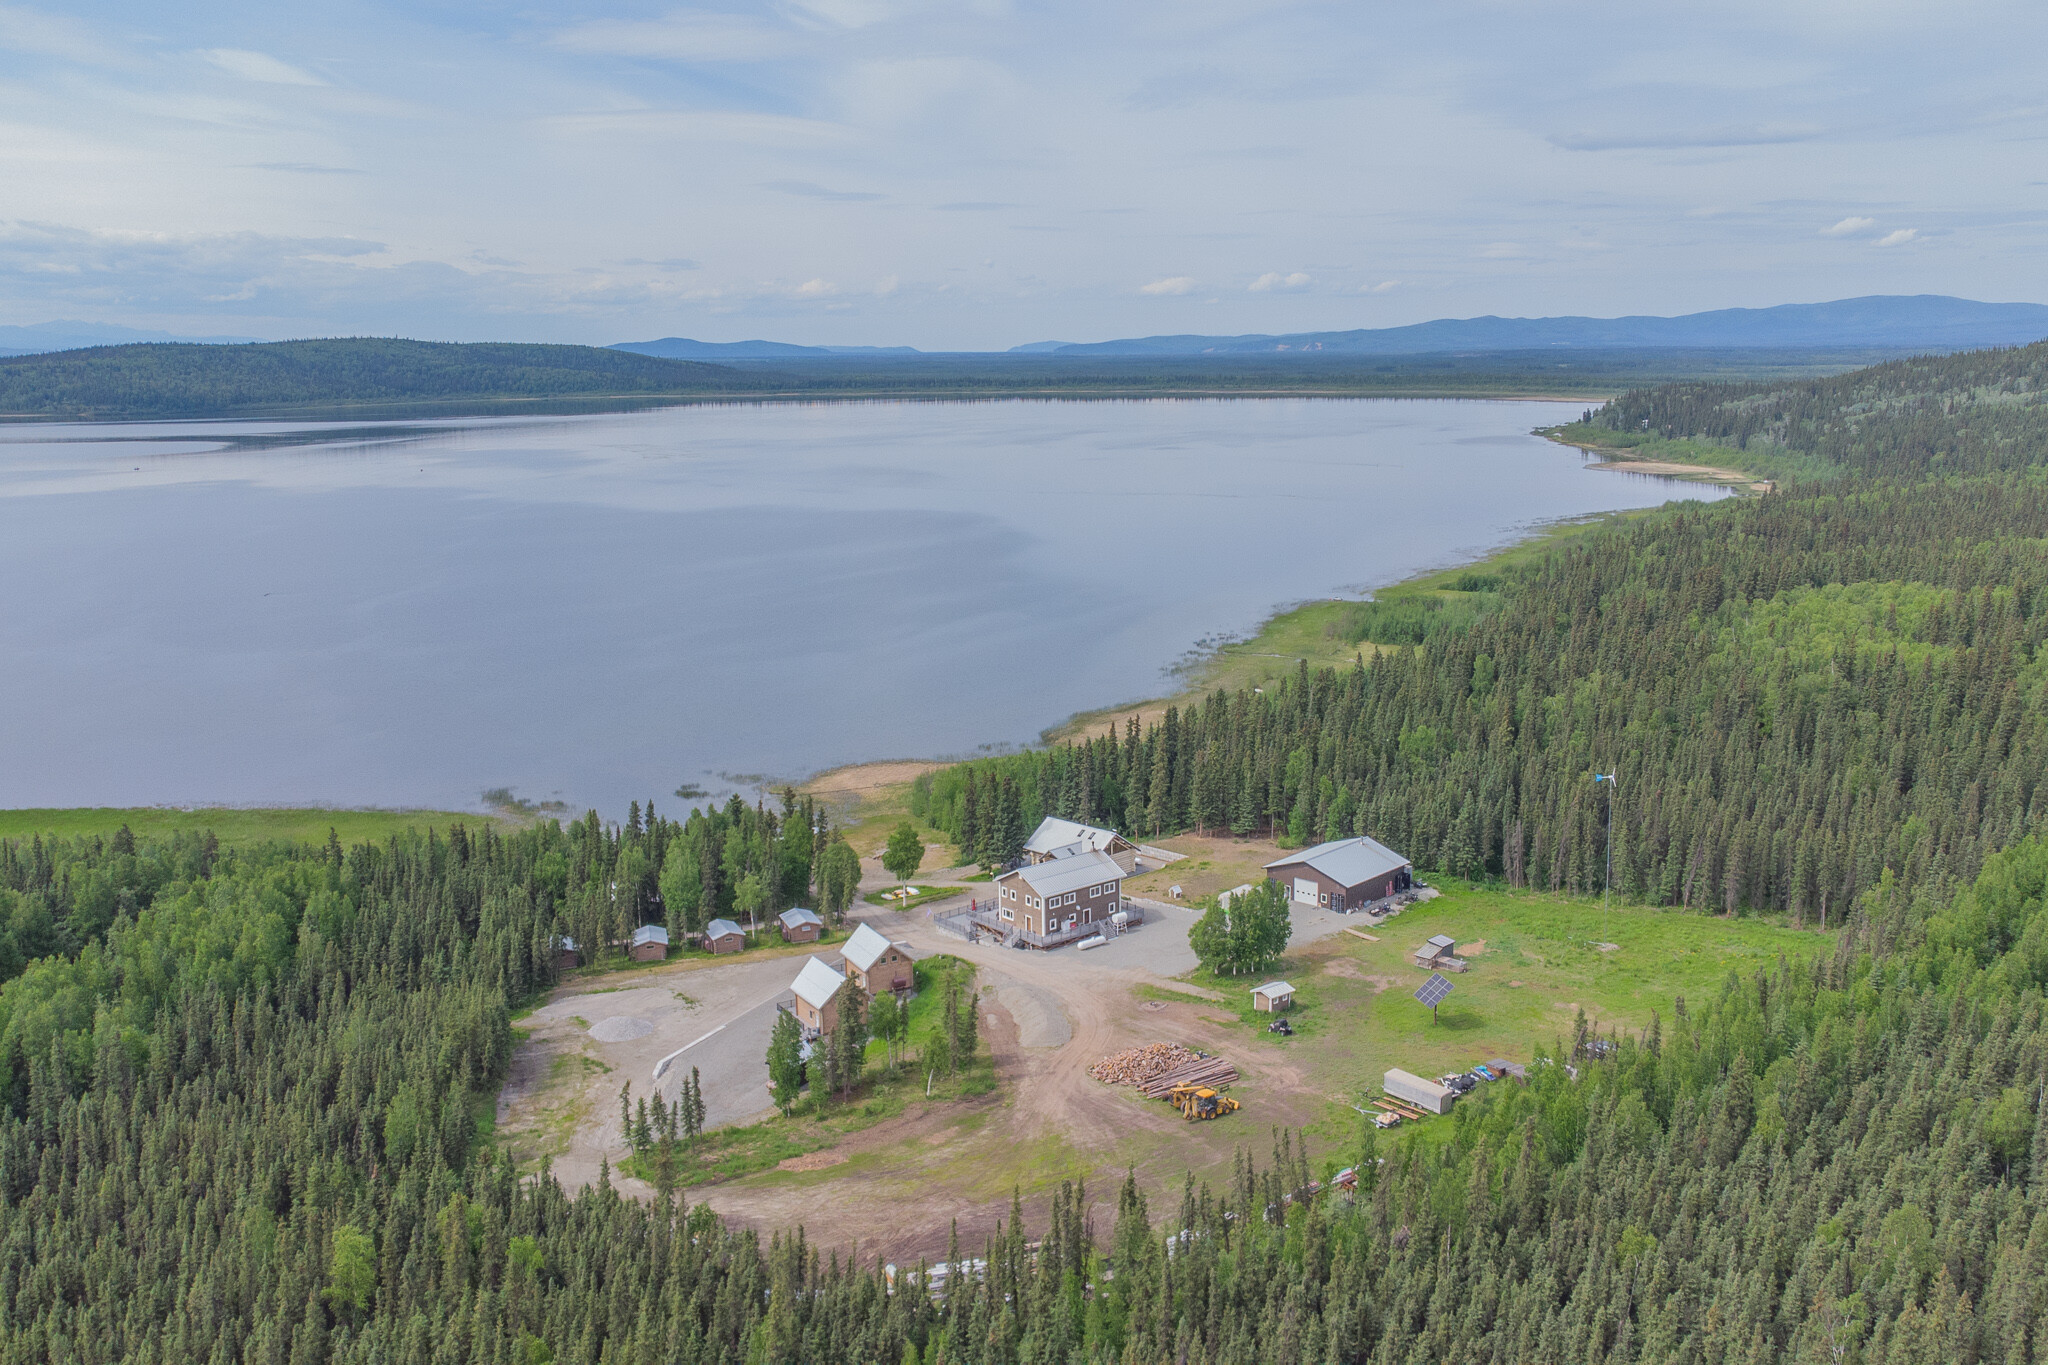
(1141, 1064)
(1213, 1072)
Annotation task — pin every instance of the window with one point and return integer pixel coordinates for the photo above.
(1009, 914)
(1326, 898)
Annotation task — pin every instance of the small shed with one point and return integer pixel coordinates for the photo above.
(1437, 948)
(723, 936)
(1273, 997)
(800, 925)
(1424, 1095)
(567, 954)
(650, 943)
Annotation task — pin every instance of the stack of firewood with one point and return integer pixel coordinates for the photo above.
(1141, 1064)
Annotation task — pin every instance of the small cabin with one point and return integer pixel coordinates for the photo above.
(800, 925)
(815, 998)
(879, 965)
(567, 955)
(1273, 997)
(650, 943)
(723, 936)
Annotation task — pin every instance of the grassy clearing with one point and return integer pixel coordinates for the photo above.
(936, 893)
(240, 825)
(1539, 966)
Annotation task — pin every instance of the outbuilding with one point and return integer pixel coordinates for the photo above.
(567, 955)
(1424, 1095)
(1435, 951)
(1056, 838)
(650, 943)
(723, 936)
(878, 964)
(1273, 997)
(1342, 875)
(800, 925)
(816, 991)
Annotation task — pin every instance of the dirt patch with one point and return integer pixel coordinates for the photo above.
(1153, 1006)
(1344, 967)
(1472, 949)
(862, 778)
(1608, 947)
(811, 1161)
(1516, 984)
(1383, 983)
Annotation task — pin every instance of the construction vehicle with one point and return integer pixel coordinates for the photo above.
(1200, 1102)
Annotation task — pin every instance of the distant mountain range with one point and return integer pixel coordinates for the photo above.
(682, 348)
(1930, 321)
(40, 337)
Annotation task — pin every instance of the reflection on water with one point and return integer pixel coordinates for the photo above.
(607, 607)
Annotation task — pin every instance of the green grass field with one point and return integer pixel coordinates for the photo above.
(232, 825)
(1540, 965)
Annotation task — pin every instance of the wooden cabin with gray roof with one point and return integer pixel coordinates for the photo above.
(1047, 904)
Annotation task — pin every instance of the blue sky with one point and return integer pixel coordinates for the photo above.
(977, 174)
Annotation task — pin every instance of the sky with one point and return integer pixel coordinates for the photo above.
(974, 174)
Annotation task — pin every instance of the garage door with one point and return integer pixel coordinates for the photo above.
(1304, 891)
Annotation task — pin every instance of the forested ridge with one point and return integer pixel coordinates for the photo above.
(1973, 412)
(185, 379)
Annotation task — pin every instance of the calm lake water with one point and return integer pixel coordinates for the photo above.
(595, 609)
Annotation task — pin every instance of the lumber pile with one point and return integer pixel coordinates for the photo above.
(1141, 1064)
(1213, 1072)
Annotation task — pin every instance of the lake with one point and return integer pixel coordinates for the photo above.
(595, 609)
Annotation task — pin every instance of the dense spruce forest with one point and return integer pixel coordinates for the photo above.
(1976, 412)
(181, 379)
(240, 1122)
(245, 1094)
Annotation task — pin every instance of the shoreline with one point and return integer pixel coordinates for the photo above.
(1306, 631)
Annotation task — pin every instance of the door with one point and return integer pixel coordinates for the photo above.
(1304, 891)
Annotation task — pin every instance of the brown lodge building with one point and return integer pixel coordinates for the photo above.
(1066, 898)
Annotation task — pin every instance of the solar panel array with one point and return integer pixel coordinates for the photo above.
(1433, 991)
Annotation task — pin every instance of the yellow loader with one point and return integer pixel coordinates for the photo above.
(1201, 1102)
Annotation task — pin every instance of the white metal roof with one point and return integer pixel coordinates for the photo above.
(650, 933)
(1064, 838)
(797, 915)
(865, 948)
(1273, 988)
(1346, 861)
(719, 928)
(1443, 941)
(1062, 875)
(1396, 1076)
(817, 983)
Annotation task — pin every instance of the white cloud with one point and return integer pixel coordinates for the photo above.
(1382, 287)
(1274, 280)
(259, 66)
(816, 289)
(886, 286)
(681, 37)
(1898, 238)
(1172, 284)
(1849, 227)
